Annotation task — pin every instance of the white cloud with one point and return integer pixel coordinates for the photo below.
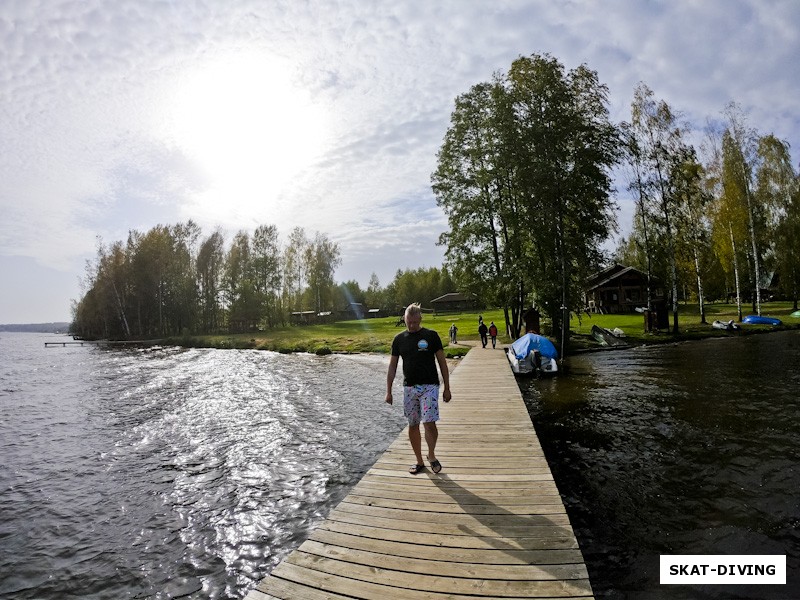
(88, 139)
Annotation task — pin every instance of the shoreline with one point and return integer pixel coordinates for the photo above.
(580, 343)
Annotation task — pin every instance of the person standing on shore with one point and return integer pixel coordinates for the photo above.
(421, 349)
(493, 334)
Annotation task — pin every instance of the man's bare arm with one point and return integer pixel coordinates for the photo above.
(390, 377)
(446, 395)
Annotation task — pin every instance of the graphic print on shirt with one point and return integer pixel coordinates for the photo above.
(422, 345)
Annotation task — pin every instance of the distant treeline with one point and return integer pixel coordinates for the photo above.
(173, 280)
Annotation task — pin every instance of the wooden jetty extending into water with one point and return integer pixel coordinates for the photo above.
(490, 525)
(103, 343)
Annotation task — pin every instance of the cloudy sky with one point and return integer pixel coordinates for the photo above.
(121, 114)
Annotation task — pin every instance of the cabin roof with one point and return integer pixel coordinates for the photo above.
(606, 276)
(453, 297)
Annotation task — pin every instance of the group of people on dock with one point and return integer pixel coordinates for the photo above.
(491, 331)
(484, 331)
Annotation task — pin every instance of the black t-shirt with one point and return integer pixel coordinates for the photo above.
(418, 350)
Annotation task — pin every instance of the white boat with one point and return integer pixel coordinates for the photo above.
(607, 337)
(533, 354)
(726, 325)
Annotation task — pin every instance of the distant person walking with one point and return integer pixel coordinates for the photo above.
(493, 333)
(421, 350)
(453, 333)
(483, 330)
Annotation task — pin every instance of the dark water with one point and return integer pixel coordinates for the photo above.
(169, 473)
(685, 449)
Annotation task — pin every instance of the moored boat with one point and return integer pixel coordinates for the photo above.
(759, 320)
(533, 354)
(606, 337)
(726, 325)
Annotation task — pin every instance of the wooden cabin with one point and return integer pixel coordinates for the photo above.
(351, 312)
(620, 289)
(454, 302)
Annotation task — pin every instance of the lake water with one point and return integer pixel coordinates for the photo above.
(168, 473)
(691, 448)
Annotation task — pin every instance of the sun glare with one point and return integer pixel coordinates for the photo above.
(249, 126)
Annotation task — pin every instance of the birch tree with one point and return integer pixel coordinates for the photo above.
(739, 157)
(660, 138)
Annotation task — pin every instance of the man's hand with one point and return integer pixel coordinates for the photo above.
(388, 397)
(446, 395)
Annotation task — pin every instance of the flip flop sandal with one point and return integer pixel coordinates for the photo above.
(416, 469)
(436, 466)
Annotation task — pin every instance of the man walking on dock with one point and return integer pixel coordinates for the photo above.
(421, 350)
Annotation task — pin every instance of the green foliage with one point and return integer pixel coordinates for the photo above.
(417, 285)
(167, 282)
(163, 284)
(523, 176)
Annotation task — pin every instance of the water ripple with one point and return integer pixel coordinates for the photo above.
(685, 449)
(173, 473)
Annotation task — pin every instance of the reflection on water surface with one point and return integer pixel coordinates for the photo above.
(168, 473)
(691, 448)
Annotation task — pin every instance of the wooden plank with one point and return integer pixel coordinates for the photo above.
(459, 477)
(364, 590)
(536, 529)
(452, 491)
(258, 595)
(450, 554)
(435, 583)
(500, 497)
(487, 508)
(419, 516)
(499, 537)
(491, 525)
(424, 566)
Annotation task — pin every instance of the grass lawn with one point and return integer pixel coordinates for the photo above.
(689, 324)
(375, 335)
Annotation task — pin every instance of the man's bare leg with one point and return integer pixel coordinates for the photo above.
(431, 435)
(415, 438)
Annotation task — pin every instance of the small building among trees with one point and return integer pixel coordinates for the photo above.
(620, 289)
(353, 311)
(453, 302)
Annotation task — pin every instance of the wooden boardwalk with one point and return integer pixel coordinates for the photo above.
(490, 525)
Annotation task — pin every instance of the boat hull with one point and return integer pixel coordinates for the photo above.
(757, 320)
(606, 337)
(534, 364)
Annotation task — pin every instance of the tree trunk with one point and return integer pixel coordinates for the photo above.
(756, 262)
(736, 274)
(121, 310)
(699, 286)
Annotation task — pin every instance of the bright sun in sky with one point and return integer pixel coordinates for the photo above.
(250, 128)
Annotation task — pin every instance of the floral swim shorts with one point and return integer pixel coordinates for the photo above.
(421, 403)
